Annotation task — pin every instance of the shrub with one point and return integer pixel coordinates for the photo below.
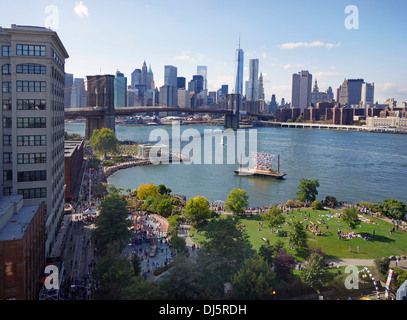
(317, 205)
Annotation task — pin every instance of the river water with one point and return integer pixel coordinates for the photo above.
(351, 166)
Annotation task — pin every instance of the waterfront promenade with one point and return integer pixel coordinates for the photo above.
(305, 125)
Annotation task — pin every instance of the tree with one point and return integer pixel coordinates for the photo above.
(284, 264)
(173, 224)
(350, 216)
(140, 289)
(314, 271)
(307, 190)
(266, 251)
(297, 237)
(178, 243)
(72, 136)
(227, 244)
(274, 217)
(331, 200)
(254, 279)
(146, 190)
(112, 224)
(197, 210)
(99, 190)
(183, 281)
(392, 208)
(237, 201)
(162, 189)
(114, 271)
(104, 141)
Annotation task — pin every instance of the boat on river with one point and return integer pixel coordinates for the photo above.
(262, 167)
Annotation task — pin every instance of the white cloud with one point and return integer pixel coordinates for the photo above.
(289, 66)
(295, 45)
(184, 57)
(81, 10)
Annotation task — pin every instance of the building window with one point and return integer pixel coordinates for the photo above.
(31, 122)
(31, 104)
(6, 69)
(7, 157)
(31, 158)
(31, 86)
(31, 141)
(7, 191)
(6, 105)
(30, 50)
(30, 68)
(6, 122)
(6, 51)
(33, 193)
(7, 175)
(6, 87)
(26, 176)
(6, 140)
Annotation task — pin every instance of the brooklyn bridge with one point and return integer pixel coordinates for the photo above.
(102, 117)
(101, 113)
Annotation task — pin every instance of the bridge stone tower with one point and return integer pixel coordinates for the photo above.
(232, 102)
(100, 97)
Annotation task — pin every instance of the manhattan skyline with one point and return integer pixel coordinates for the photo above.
(288, 37)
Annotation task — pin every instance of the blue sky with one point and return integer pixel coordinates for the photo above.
(286, 37)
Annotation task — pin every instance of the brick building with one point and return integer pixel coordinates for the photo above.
(283, 114)
(22, 248)
(74, 151)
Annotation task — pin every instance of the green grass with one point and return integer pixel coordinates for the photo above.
(384, 244)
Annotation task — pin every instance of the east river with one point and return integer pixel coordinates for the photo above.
(351, 166)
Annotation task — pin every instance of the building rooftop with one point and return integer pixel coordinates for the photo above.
(70, 146)
(16, 224)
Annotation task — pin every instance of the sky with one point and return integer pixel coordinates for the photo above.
(332, 39)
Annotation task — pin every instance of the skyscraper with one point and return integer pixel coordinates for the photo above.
(367, 93)
(199, 80)
(120, 90)
(253, 88)
(32, 97)
(181, 81)
(350, 92)
(135, 78)
(301, 90)
(68, 89)
(239, 60)
(261, 87)
(170, 75)
(203, 71)
(78, 93)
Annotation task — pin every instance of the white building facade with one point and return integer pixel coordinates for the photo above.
(32, 78)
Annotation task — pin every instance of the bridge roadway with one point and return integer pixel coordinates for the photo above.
(97, 112)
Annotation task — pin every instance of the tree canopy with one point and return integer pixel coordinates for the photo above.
(297, 237)
(237, 201)
(307, 190)
(146, 190)
(254, 279)
(350, 216)
(274, 217)
(104, 141)
(197, 210)
(112, 224)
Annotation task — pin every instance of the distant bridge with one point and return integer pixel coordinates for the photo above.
(101, 117)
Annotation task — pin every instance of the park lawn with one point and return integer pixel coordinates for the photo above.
(384, 243)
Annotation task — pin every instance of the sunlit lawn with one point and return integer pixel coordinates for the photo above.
(384, 243)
